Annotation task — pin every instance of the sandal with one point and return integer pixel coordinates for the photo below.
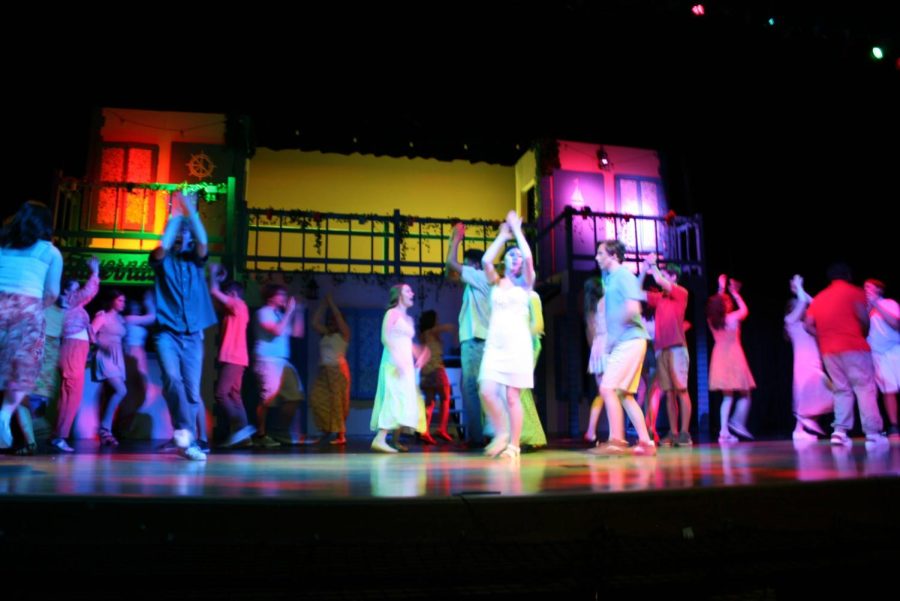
(511, 451)
(27, 449)
(107, 439)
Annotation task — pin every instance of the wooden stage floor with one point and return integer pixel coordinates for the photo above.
(328, 473)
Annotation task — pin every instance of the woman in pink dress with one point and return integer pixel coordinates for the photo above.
(728, 369)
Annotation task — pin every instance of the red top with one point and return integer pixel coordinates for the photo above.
(234, 338)
(838, 328)
(670, 309)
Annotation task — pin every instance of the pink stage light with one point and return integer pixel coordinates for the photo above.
(698, 10)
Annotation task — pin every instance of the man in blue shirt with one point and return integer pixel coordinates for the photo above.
(626, 344)
(183, 310)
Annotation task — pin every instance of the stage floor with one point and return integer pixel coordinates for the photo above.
(325, 473)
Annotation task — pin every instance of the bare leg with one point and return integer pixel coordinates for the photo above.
(614, 414)
(724, 412)
(653, 409)
(596, 408)
(684, 401)
(514, 406)
(11, 400)
(636, 416)
(119, 392)
(672, 413)
(23, 415)
(445, 412)
(741, 411)
(494, 408)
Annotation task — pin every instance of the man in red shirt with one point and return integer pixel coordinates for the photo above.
(672, 359)
(839, 320)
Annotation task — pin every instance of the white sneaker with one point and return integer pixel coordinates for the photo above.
(61, 445)
(192, 453)
(839, 437)
(802, 435)
(876, 439)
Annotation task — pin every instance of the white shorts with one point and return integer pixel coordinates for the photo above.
(277, 379)
(623, 366)
(887, 370)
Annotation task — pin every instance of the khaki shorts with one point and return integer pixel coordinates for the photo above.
(672, 366)
(623, 366)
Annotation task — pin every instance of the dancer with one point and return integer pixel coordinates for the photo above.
(811, 391)
(728, 369)
(76, 341)
(626, 346)
(139, 317)
(397, 400)
(508, 356)
(434, 382)
(30, 269)
(276, 322)
(672, 360)
(838, 318)
(233, 356)
(109, 362)
(329, 398)
(183, 310)
(884, 338)
(474, 315)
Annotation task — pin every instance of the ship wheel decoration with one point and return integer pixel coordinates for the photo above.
(200, 166)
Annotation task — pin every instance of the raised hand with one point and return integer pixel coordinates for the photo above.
(723, 279)
(189, 199)
(93, 264)
(514, 221)
(218, 272)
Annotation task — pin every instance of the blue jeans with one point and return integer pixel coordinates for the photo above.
(181, 362)
(471, 352)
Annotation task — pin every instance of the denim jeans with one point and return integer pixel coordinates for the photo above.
(472, 350)
(181, 363)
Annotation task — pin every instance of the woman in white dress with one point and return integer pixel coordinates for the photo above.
(397, 401)
(811, 392)
(508, 361)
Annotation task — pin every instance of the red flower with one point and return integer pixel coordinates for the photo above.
(317, 217)
(670, 217)
(270, 213)
(627, 217)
